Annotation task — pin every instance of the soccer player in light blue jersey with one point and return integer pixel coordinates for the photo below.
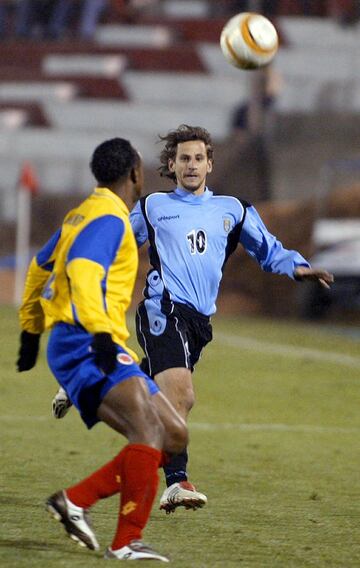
(192, 232)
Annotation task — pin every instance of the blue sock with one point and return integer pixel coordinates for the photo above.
(175, 469)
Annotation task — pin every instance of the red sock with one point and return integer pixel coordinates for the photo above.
(139, 483)
(103, 483)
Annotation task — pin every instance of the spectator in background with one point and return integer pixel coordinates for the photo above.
(55, 19)
(58, 19)
(87, 13)
(5, 15)
(229, 8)
(32, 18)
(271, 85)
(129, 10)
(345, 12)
(90, 16)
(251, 125)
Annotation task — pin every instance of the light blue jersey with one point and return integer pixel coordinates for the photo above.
(192, 236)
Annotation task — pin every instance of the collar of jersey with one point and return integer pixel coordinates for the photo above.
(105, 192)
(191, 198)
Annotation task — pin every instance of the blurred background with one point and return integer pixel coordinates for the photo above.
(287, 138)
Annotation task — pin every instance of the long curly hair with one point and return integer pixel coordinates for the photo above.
(184, 133)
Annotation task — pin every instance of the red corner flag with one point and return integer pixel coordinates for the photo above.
(28, 179)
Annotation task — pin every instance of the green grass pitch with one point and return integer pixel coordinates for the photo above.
(274, 444)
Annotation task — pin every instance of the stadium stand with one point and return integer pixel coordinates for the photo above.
(151, 70)
(141, 78)
(16, 115)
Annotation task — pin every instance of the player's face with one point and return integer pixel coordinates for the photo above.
(191, 166)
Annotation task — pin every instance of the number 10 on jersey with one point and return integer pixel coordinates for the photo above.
(197, 241)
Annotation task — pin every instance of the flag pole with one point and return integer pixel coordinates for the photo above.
(27, 186)
(22, 251)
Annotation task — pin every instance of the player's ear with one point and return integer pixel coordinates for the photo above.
(209, 166)
(171, 165)
(133, 175)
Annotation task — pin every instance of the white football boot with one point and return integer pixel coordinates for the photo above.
(76, 520)
(136, 550)
(182, 494)
(60, 404)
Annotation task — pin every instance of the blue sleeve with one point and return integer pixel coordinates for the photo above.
(138, 225)
(99, 241)
(266, 249)
(43, 257)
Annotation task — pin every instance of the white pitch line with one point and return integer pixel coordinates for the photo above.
(27, 418)
(217, 426)
(297, 428)
(266, 347)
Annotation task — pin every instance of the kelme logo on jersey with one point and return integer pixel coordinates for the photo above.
(124, 359)
(227, 224)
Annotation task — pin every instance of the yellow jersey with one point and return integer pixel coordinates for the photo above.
(85, 274)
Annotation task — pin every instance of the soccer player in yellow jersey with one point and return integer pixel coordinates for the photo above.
(79, 286)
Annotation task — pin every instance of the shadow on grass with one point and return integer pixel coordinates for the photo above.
(28, 544)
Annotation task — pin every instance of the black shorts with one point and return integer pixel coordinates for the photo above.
(180, 344)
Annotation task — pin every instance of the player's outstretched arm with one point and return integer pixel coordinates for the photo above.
(322, 276)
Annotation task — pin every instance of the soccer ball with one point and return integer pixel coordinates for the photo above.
(249, 41)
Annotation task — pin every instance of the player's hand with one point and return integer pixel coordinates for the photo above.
(105, 352)
(322, 276)
(28, 352)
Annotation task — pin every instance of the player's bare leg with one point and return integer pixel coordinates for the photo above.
(176, 384)
(129, 410)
